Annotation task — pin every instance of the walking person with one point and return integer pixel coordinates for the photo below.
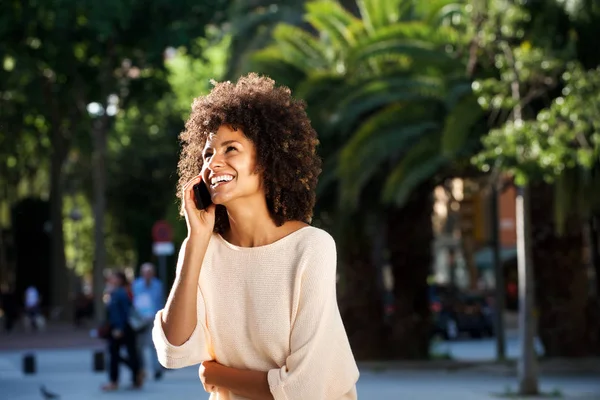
(34, 319)
(254, 298)
(120, 333)
(148, 299)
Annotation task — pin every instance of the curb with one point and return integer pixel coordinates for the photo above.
(509, 367)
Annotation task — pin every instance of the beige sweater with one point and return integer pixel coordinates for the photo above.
(271, 308)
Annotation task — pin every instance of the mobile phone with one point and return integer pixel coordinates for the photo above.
(201, 196)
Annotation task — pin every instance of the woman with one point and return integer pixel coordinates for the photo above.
(254, 299)
(120, 333)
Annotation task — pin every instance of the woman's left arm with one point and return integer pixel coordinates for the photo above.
(321, 364)
(245, 383)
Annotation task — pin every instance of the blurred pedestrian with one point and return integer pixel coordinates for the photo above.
(148, 299)
(120, 334)
(33, 315)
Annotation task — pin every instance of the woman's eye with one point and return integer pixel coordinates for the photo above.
(207, 155)
(230, 148)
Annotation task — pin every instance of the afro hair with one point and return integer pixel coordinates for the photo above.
(279, 128)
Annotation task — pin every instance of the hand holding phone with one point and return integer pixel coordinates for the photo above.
(198, 208)
(202, 196)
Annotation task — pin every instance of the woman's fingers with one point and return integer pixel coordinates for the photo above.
(188, 188)
(190, 184)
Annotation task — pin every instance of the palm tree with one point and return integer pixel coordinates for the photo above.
(393, 108)
(251, 24)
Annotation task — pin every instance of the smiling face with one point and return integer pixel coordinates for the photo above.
(229, 168)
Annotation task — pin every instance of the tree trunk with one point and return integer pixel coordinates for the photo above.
(594, 245)
(410, 238)
(562, 289)
(5, 204)
(360, 299)
(527, 367)
(60, 289)
(500, 289)
(99, 137)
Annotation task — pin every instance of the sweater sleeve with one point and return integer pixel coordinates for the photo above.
(321, 364)
(196, 349)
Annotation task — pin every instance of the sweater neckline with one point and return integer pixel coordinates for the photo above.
(276, 243)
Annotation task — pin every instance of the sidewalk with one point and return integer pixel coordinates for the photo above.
(54, 336)
(68, 372)
(66, 336)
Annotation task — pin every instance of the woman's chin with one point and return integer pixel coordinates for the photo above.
(220, 200)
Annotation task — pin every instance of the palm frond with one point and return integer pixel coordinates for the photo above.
(377, 14)
(459, 124)
(420, 50)
(319, 84)
(329, 175)
(297, 44)
(436, 12)
(270, 61)
(251, 30)
(317, 90)
(362, 98)
(359, 161)
(334, 22)
(270, 56)
(421, 163)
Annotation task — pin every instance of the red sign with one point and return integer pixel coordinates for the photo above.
(162, 232)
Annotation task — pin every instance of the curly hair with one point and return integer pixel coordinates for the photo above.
(279, 128)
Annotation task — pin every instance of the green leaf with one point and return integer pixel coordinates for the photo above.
(410, 30)
(272, 62)
(329, 175)
(368, 96)
(377, 14)
(298, 46)
(421, 162)
(421, 51)
(361, 159)
(459, 124)
(333, 21)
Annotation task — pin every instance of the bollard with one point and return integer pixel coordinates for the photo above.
(29, 363)
(99, 364)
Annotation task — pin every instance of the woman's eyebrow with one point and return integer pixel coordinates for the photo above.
(228, 142)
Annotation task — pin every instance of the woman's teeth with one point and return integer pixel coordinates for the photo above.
(216, 180)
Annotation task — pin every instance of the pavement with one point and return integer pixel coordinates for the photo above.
(68, 372)
(64, 361)
(54, 336)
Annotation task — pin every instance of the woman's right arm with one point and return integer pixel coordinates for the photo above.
(180, 334)
(179, 317)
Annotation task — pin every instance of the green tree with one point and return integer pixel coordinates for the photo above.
(115, 58)
(150, 180)
(541, 144)
(24, 152)
(393, 106)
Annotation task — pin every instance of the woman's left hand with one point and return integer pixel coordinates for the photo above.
(207, 372)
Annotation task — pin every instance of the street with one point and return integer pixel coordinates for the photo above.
(467, 349)
(68, 372)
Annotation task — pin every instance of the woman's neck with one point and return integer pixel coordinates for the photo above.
(251, 225)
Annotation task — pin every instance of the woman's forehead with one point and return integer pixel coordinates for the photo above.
(225, 133)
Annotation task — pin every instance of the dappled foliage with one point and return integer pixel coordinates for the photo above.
(382, 89)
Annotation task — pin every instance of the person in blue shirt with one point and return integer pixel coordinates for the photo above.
(148, 299)
(120, 332)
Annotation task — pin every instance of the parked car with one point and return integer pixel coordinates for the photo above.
(455, 312)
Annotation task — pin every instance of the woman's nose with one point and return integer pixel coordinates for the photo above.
(216, 162)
